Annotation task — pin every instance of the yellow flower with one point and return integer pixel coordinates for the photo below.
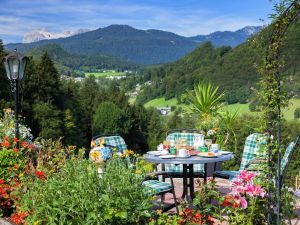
(159, 211)
(36, 222)
(95, 155)
(138, 172)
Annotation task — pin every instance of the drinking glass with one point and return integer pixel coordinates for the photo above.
(208, 143)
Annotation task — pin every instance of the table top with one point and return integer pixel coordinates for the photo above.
(189, 160)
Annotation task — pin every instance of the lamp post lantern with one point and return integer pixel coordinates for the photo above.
(15, 65)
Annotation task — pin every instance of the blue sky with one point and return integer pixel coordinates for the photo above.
(184, 17)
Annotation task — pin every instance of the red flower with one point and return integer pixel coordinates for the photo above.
(6, 144)
(24, 144)
(31, 146)
(15, 140)
(1, 181)
(40, 174)
(6, 138)
(18, 218)
(16, 150)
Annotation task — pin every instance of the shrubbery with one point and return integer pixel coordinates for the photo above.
(76, 195)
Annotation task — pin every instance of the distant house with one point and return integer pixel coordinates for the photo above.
(164, 110)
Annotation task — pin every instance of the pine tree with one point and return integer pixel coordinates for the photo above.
(47, 81)
(5, 93)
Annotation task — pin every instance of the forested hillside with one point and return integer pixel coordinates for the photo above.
(235, 70)
(80, 62)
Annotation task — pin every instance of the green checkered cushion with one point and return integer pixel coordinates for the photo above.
(252, 148)
(156, 186)
(286, 155)
(227, 174)
(115, 141)
(172, 168)
(190, 137)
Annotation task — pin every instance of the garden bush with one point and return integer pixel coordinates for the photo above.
(77, 195)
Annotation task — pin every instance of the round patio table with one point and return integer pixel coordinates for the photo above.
(188, 168)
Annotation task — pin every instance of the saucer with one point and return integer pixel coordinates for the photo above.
(167, 156)
(181, 156)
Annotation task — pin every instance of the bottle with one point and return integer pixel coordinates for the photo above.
(173, 150)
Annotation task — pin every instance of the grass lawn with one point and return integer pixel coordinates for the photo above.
(105, 74)
(161, 102)
(242, 108)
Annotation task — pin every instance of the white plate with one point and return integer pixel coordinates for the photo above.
(167, 156)
(154, 153)
(224, 152)
(179, 156)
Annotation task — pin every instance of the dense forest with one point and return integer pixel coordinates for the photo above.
(235, 70)
(69, 62)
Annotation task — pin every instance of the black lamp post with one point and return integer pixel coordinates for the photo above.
(15, 65)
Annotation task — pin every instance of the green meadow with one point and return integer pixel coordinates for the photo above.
(241, 108)
(105, 74)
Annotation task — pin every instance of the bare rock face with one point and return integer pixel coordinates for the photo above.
(44, 34)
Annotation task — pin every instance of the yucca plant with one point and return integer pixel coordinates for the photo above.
(227, 120)
(206, 100)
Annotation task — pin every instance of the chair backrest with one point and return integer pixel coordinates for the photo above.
(252, 147)
(182, 130)
(190, 137)
(110, 140)
(288, 154)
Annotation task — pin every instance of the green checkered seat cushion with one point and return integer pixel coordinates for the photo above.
(286, 155)
(190, 138)
(252, 147)
(113, 141)
(227, 174)
(172, 168)
(156, 186)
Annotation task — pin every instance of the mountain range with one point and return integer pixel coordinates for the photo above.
(44, 34)
(135, 45)
(234, 70)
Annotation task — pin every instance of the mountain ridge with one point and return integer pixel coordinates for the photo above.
(125, 42)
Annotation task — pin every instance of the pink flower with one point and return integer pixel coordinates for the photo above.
(243, 202)
(255, 190)
(246, 176)
(237, 190)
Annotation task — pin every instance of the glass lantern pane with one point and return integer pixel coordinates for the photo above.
(7, 69)
(22, 68)
(14, 68)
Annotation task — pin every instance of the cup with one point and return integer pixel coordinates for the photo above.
(182, 152)
(214, 148)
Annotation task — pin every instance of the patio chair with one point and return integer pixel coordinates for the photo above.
(287, 157)
(110, 140)
(154, 186)
(251, 150)
(176, 170)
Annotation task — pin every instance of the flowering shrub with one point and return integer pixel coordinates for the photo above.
(244, 203)
(5, 201)
(12, 159)
(7, 127)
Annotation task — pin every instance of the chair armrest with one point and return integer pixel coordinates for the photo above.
(255, 161)
(156, 174)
